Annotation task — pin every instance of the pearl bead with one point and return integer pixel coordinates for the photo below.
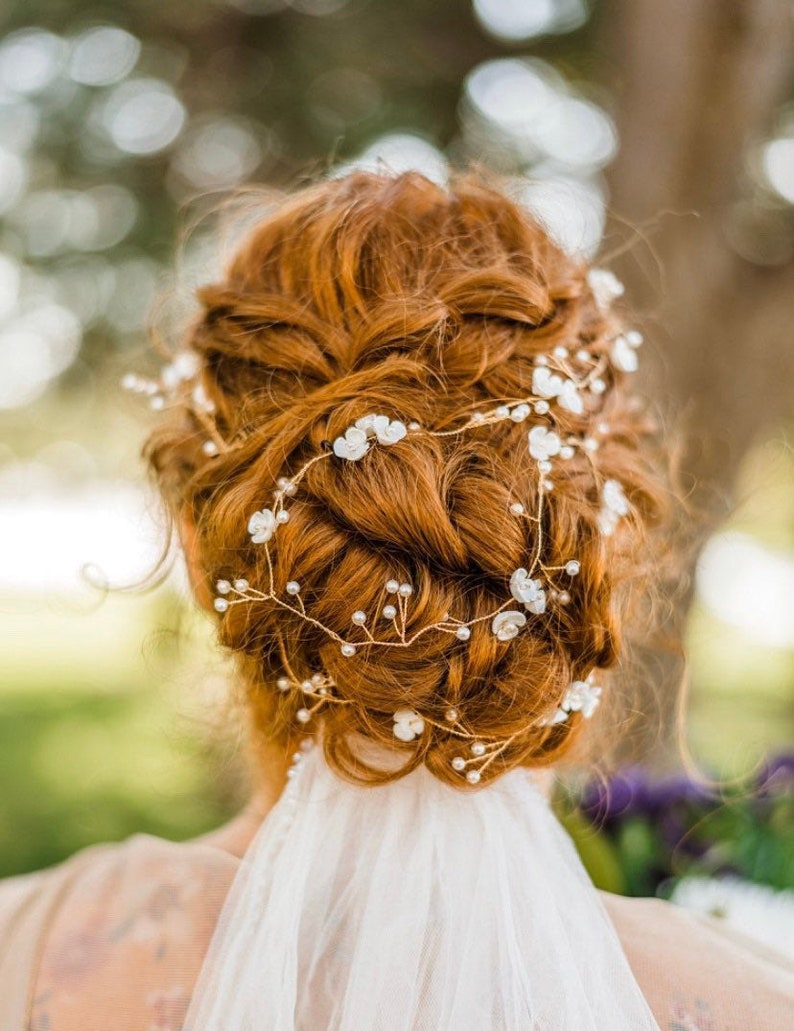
(323, 691)
(209, 447)
(359, 617)
(451, 715)
(560, 352)
(548, 485)
(541, 407)
(157, 402)
(598, 386)
(517, 508)
(221, 604)
(389, 612)
(414, 426)
(541, 360)
(583, 356)
(478, 748)
(348, 650)
(283, 684)
(405, 590)
(603, 427)
(566, 451)
(503, 411)
(282, 516)
(473, 776)
(591, 444)
(392, 586)
(572, 567)
(544, 465)
(241, 585)
(303, 715)
(293, 587)
(282, 482)
(563, 597)
(458, 763)
(306, 685)
(463, 633)
(634, 338)
(223, 587)
(477, 417)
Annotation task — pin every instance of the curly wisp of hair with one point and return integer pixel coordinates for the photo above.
(384, 292)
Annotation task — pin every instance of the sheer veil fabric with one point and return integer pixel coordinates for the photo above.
(414, 907)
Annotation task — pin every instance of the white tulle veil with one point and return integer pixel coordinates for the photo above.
(414, 906)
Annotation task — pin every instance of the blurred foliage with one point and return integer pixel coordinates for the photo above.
(639, 835)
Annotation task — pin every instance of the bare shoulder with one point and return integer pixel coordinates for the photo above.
(129, 935)
(697, 973)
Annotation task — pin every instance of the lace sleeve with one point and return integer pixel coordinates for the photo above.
(117, 931)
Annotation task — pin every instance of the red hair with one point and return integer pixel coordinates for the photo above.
(382, 292)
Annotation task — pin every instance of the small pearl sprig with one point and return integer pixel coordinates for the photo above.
(582, 696)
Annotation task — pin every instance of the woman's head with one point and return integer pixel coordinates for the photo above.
(389, 294)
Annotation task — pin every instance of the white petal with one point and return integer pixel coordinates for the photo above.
(570, 398)
(545, 383)
(507, 624)
(404, 732)
(543, 443)
(624, 356)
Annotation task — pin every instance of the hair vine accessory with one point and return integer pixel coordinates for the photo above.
(560, 380)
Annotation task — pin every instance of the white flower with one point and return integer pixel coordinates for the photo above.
(549, 384)
(582, 696)
(614, 504)
(386, 430)
(545, 383)
(507, 624)
(407, 724)
(764, 913)
(543, 443)
(624, 353)
(353, 445)
(570, 398)
(528, 591)
(262, 526)
(605, 286)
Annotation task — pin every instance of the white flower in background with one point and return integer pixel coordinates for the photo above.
(407, 724)
(548, 384)
(262, 526)
(582, 696)
(528, 591)
(507, 624)
(614, 504)
(754, 909)
(624, 350)
(605, 285)
(353, 445)
(543, 443)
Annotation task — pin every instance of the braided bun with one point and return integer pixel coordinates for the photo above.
(379, 292)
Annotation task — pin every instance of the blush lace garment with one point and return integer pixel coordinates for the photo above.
(406, 907)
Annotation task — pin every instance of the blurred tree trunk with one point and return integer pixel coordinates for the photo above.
(698, 84)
